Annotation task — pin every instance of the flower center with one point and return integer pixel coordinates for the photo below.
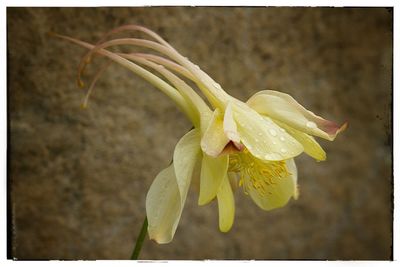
(260, 174)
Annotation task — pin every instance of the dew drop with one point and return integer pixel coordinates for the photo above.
(282, 138)
(217, 85)
(272, 132)
(283, 150)
(274, 142)
(311, 124)
(260, 134)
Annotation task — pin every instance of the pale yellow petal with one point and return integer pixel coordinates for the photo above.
(230, 127)
(213, 170)
(163, 206)
(214, 139)
(283, 107)
(187, 152)
(226, 206)
(167, 194)
(291, 166)
(310, 145)
(261, 136)
(278, 193)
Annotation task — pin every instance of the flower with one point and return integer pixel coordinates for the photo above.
(235, 144)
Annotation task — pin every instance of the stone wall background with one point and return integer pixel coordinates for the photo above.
(79, 177)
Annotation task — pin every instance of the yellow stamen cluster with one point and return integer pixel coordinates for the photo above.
(261, 175)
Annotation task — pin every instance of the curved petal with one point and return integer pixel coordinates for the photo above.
(186, 154)
(278, 193)
(163, 206)
(291, 165)
(283, 107)
(311, 147)
(230, 127)
(261, 136)
(214, 139)
(167, 194)
(226, 206)
(213, 170)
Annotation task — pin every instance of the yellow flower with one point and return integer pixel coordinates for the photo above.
(249, 145)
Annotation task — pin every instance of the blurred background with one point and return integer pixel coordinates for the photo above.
(78, 178)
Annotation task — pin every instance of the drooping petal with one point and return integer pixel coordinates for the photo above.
(214, 139)
(261, 136)
(213, 170)
(167, 194)
(187, 152)
(230, 127)
(226, 206)
(311, 147)
(283, 107)
(163, 206)
(277, 193)
(291, 166)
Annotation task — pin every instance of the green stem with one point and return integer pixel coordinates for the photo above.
(140, 240)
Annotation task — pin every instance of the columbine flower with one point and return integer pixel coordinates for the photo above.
(251, 144)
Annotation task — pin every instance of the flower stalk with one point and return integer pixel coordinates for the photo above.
(140, 240)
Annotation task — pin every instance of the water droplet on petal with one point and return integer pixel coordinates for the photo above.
(283, 150)
(311, 124)
(272, 132)
(274, 142)
(282, 138)
(259, 133)
(217, 85)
